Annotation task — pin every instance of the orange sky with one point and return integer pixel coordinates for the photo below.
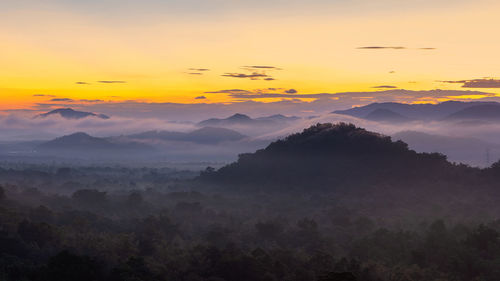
(45, 50)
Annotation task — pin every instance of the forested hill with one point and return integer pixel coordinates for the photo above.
(327, 155)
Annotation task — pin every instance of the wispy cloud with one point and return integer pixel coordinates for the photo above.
(197, 71)
(381, 47)
(200, 98)
(43, 95)
(266, 67)
(279, 95)
(252, 76)
(393, 48)
(87, 100)
(388, 94)
(62, 100)
(82, 83)
(476, 83)
(112, 81)
(230, 91)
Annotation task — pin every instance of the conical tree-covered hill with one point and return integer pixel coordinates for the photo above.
(326, 155)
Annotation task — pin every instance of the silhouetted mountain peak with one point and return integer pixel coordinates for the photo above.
(236, 119)
(69, 113)
(83, 144)
(239, 117)
(386, 115)
(326, 155)
(75, 140)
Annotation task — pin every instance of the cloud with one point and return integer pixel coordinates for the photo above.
(279, 95)
(267, 67)
(111, 81)
(200, 98)
(62, 100)
(230, 91)
(381, 47)
(476, 83)
(252, 76)
(256, 72)
(392, 48)
(86, 100)
(195, 73)
(82, 83)
(348, 99)
(385, 87)
(255, 91)
(43, 95)
(199, 69)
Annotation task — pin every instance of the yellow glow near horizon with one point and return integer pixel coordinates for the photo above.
(48, 52)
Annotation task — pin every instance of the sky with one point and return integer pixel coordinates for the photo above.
(138, 55)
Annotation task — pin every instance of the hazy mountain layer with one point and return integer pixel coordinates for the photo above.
(69, 113)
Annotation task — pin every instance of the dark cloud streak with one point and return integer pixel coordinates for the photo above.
(381, 47)
(252, 76)
(392, 48)
(476, 83)
(112, 81)
(62, 100)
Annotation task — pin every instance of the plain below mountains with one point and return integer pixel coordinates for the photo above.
(392, 112)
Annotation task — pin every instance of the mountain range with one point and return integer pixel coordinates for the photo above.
(445, 111)
(83, 145)
(242, 119)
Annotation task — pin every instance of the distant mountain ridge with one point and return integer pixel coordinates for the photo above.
(423, 112)
(242, 119)
(85, 145)
(69, 113)
(386, 115)
(477, 112)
